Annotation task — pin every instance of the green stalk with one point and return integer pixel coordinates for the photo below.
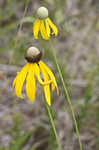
(47, 107)
(66, 93)
(53, 126)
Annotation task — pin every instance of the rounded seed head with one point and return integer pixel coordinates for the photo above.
(32, 52)
(42, 12)
(33, 55)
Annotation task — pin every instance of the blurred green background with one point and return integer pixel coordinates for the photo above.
(25, 126)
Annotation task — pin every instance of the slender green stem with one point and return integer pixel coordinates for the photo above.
(52, 122)
(17, 36)
(53, 126)
(66, 93)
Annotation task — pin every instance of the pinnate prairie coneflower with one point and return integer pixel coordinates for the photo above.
(44, 25)
(35, 68)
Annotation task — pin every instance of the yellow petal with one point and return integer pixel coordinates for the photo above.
(54, 28)
(19, 80)
(51, 76)
(36, 28)
(47, 94)
(30, 83)
(47, 27)
(46, 87)
(37, 73)
(43, 31)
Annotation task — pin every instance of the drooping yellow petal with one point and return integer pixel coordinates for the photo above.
(37, 73)
(46, 87)
(51, 76)
(47, 27)
(47, 94)
(36, 28)
(19, 80)
(52, 84)
(30, 83)
(43, 31)
(54, 28)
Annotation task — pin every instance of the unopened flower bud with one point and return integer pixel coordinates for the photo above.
(42, 12)
(33, 55)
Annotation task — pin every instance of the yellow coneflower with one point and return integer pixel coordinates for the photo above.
(44, 25)
(35, 67)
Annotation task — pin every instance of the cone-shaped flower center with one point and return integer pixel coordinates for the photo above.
(33, 55)
(42, 12)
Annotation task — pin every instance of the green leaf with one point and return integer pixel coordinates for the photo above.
(27, 20)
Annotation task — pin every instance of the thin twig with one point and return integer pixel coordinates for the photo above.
(66, 93)
(17, 36)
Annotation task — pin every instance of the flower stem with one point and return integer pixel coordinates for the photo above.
(47, 107)
(53, 126)
(66, 93)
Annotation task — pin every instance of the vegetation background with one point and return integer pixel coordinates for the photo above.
(25, 126)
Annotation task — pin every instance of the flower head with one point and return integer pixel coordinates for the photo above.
(44, 25)
(34, 68)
